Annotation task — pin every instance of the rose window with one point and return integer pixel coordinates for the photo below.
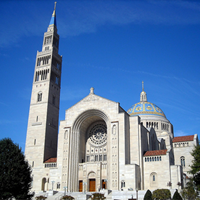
(98, 134)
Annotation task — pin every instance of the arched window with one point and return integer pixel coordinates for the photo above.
(153, 179)
(182, 161)
(39, 96)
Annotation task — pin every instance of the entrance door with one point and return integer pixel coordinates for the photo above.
(103, 184)
(92, 184)
(80, 186)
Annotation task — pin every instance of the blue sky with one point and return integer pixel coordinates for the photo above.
(110, 45)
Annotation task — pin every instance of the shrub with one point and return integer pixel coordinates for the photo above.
(161, 194)
(40, 198)
(177, 196)
(148, 195)
(66, 197)
(97, 196)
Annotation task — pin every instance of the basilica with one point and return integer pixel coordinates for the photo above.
(98, 146)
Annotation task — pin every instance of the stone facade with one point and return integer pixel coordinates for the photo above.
(99, 145)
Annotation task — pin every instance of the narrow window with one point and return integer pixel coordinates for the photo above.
(88, 158)
(58, 66)
(104, 157)
(96, 157)
(100, 157)
(39, 96)
(58, 185)
(35, 142)
(182, 161)
(54, 100)
(36, 76)
(37, 119)
(122, 184)
(154, 178)
(57, 81)
(33, 164)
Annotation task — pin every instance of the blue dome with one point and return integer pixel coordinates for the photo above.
(145, 108)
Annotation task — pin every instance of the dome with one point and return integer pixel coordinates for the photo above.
(144, 107)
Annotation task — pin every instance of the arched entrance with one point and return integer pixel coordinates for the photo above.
(88, 140)
(43, 184)
(92, 182)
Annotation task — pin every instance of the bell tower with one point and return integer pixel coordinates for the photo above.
(42, 130)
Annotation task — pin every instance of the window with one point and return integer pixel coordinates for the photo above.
(58, 185)
(37, 76)
(153, 179)
(100, 157)
(88, 158)
(54, 100)
(35, 142)
(96, 157)
(122, 184)
(33, 164)
(104, 157)
(182, 161)
(57, 81)
(39, 96)
(48, 40)
(58, 65)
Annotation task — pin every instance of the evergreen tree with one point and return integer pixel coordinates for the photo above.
(189, 193)
(195, 167)
(148, 195)
(177, 196)
(15, 173)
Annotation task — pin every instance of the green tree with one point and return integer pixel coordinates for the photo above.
(177, 196)
(161, 194)
(195, 167)
(15, 173)
(189, 193)
(148, 195)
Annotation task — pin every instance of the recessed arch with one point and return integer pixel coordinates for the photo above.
(78, 141)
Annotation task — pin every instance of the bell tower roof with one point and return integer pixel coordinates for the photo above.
(53, 18)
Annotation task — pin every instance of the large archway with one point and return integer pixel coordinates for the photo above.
(88, 139)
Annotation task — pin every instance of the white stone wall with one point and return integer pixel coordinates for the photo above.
(161, 170)
(184, 149)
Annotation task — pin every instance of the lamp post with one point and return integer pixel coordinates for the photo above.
(65, 189)
(52, 184)
(137, 193)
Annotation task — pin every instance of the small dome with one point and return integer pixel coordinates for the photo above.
(144, 107)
